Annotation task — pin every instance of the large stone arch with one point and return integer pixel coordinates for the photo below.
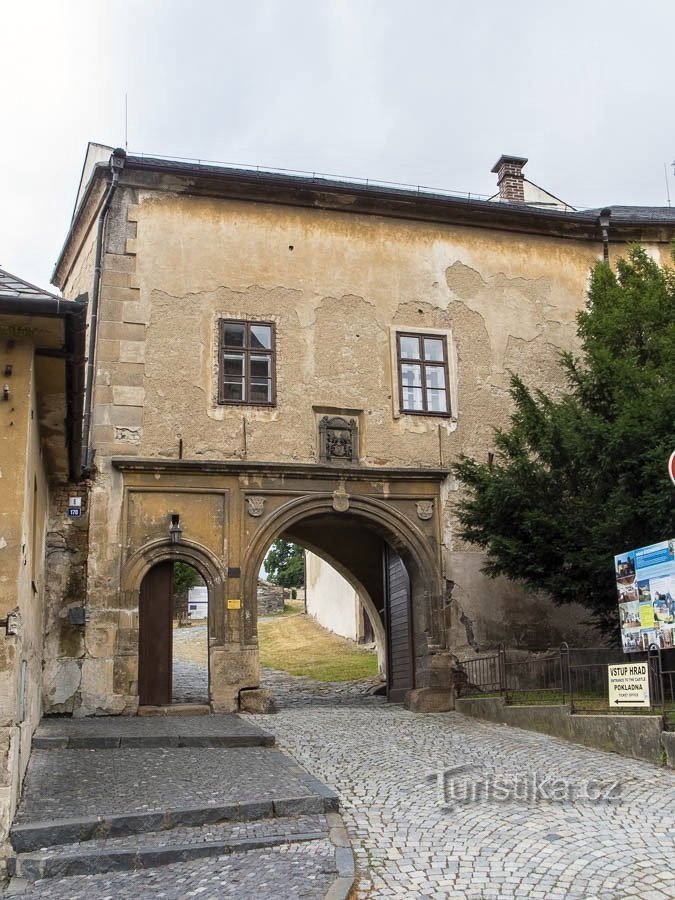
(380, 516)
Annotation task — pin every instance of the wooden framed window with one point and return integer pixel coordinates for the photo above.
(247, 363)
(423, 374)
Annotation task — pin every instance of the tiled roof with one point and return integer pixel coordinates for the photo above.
(303, 180)
(654, 214)
(18, 289)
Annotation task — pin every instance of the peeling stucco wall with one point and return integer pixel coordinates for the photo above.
(334, 298)
(337, 286)
(23, 517)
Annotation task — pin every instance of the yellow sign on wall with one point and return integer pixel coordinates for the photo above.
(234, 603)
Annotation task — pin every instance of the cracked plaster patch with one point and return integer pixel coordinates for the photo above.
(509, 307)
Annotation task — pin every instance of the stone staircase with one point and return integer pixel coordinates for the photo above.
(105, 797)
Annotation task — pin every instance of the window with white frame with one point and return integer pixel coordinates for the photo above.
(423, 373)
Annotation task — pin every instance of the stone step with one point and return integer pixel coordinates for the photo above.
(111, 732)
(80, 795)
(39, 835)
(160, 848)
(176, 709)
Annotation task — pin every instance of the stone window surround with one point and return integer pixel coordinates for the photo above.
(272, 354)
(451, 371)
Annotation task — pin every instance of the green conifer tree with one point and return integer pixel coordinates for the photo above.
(578, 479)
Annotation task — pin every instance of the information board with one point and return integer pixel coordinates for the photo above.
(645, 584)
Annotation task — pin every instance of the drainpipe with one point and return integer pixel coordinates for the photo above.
(87, 455)
(604, 228)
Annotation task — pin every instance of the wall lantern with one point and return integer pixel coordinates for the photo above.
(175, 531)
(5, 392)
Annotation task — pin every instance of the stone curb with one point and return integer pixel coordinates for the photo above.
(38, 835)
(32, 867)
(103, 742)
(329, 797)
(343, 885)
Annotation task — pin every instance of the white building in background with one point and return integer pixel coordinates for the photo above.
(198, 603)
(334, 603)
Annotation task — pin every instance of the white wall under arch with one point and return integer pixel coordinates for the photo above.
(332, 600)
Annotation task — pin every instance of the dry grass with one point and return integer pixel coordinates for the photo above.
(298, 645)
(293, 642)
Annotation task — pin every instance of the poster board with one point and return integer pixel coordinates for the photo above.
(645, 584)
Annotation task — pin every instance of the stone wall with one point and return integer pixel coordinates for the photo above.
(640, 737)
(67, 547)
(270, 598)
(23, 581)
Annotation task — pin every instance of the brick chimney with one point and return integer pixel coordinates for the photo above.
(510, 177)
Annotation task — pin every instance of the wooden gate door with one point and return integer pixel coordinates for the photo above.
(155, 626)
(399, 642)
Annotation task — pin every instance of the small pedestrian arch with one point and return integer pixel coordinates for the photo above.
(142, 560)
(146, 584)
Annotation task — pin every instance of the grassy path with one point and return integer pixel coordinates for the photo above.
(298, 645)
(295, 643)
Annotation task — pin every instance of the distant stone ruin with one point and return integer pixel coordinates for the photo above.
(270, 598)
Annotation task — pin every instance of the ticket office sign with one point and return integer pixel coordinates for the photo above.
(628, 685)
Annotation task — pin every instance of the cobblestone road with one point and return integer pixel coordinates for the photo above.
(438, 806)
(603, 828)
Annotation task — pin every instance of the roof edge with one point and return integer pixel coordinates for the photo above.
(318, 191)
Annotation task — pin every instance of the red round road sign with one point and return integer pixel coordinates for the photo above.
(671, 466)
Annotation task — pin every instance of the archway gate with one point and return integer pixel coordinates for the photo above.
(358, 519)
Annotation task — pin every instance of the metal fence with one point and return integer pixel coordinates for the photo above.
(575, 676)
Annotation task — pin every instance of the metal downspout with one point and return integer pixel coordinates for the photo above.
(603, 220)
(87, 454)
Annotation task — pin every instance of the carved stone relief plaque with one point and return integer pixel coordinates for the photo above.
(255, 506)
(425, 509)
(338, 439)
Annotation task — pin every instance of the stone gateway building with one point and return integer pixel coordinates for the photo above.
(278, 356)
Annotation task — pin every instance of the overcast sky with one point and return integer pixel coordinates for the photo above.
(426, 92)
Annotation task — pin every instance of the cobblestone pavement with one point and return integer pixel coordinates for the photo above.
(190, 680)
(300, 692)
(603, 829)
(438, 806)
